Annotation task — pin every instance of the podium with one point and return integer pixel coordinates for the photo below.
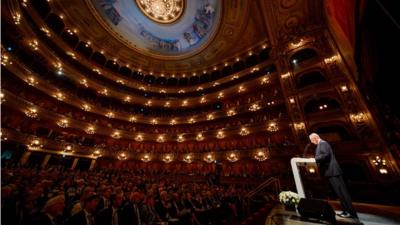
(295, 163)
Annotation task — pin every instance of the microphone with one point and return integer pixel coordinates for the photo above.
(306, 149)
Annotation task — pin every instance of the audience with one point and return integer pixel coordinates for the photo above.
(54, 196)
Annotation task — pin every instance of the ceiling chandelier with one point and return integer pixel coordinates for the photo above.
(162, 11)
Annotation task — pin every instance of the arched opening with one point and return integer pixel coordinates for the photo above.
(42, 7)
(99, 58)
(310, 78)
(320, 105)
(301, 56)
(332, 132)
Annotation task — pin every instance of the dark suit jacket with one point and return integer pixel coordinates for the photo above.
(77, 219)
(104, 217)
(41, 219)
(128, 215)
(324, 156)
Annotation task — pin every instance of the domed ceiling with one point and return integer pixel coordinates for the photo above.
(161, 27)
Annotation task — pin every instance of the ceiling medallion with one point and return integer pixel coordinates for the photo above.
(162, 11)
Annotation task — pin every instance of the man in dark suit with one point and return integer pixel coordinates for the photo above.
(51, 211)
(112, 214)
(330, 169)
(85, 216)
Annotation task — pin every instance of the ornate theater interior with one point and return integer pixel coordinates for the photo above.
(210, 98)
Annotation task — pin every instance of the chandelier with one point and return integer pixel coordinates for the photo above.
(31, 112)
(162, 11)
(139, 137)
(244, 131)
(188, 158)
(199, 137)
(116, 135)
(146, 158)
(122, 156)
(261, 154)
(86, 107)
(161, 138)
(168, 158)
(272, 127)
(180, 138)
(90, 130)
(231, 112)
(35, 144)
(254, 107)
(232, 157)
(209, 158)
(110, 115)
(220, 134)
(63, 123)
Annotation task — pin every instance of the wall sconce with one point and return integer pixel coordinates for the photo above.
(146, 158)
(344, 88)
(86, 107)
(110, 115)
(261, 154)
(90, 130)
(199, 137)
(332, 59)
(380, 164)
(161, 139)
(209, 158)
(180, 138)
(231, 112)
(63, 123)
(299, 126)
(254, 107)
(116, 135)
(35, 144)
(132, 119)
(220, 134)
(272, 127)
(172, 122)
(244, 131)
(358, 118)
(31, 112)
(122, 156)
(168, 158)
(139, 138)
(232, 157)
(188, 158)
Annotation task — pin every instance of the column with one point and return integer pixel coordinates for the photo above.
(45, 161)
(25, 157)
(74, 163)
(92, 164)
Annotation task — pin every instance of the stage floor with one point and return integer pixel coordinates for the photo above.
(369, 214)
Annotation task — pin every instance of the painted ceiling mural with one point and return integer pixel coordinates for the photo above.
(195, 27)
